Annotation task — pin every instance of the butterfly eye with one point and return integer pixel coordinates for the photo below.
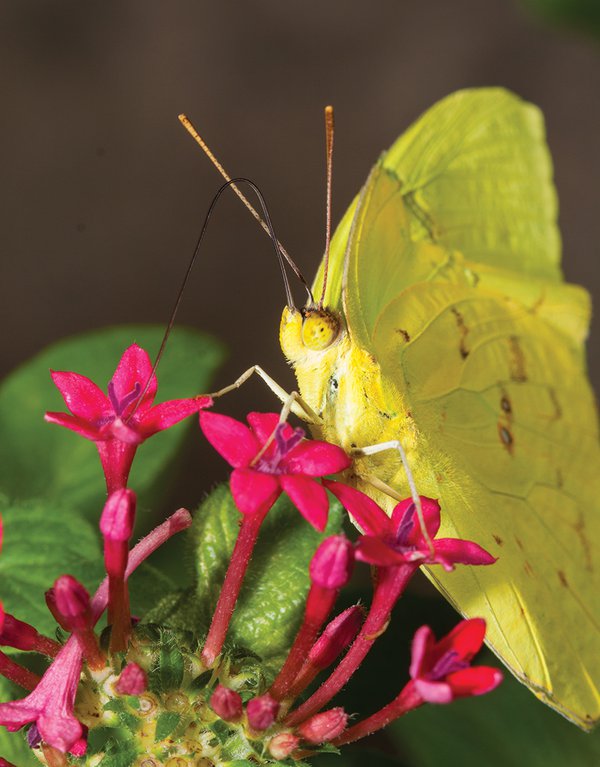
(320, 329)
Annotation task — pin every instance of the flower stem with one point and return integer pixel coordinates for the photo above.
(318, 606)
(17, 674)
(232, 584)
(392, 582)
(406, 701)
(119, 615)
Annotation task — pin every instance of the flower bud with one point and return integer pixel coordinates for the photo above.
(116, 526)
(226, 703)
(323, 727)
(336, 637)
(72, 603)
(331, 565)
(262, 712)
(282, 745)
(133, 680)
(15, 633)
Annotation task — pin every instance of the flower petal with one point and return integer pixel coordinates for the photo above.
(309, 497)
(431, 517)
(434, 692)
(253, 491)
(76, 424)
(232, 439)
(316, 459)
(371, 549)
(465, 640)
(422, 643)
(369, 516)
(264, 424)
(167, 414)
(135, 367)
(82, 396)
(476, 680)
(461, 552)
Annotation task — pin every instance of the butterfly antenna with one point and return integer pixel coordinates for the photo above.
(270, 229)
(183, 119)
(329, 130)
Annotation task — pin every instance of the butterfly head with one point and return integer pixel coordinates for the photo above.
(308, 329)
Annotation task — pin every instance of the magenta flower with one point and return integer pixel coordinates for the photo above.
(121, 421)
(441, 671)
(50, 705)
(289, 463)
(398, 540)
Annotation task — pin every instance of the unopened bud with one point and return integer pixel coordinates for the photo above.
(336, 637)
(262, 712)
(15, 633)
(133, 680)
(282, 745)
(226, 703)
(72, 603)
(331, 565)
(324, 727)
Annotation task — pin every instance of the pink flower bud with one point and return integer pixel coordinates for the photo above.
(336, 637)
(133, 680)
(331, 565)
(72, 603)
(282, 745)
(118, 516)
(262, 712)
(226, 703)
(15, 633)
(323, 727)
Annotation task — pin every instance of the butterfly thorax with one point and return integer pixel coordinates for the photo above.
(356, 405)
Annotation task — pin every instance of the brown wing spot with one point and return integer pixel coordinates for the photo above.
(556, 404)
(505, 405)
(506, 438)
(528, 568)
(463, 330)
(563, 579)
(517, 360)
(498, 539)
(403, 333)
(519, 543)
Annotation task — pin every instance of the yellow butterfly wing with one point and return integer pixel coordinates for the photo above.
(464, 343)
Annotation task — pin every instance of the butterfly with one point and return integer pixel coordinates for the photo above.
(446, 324)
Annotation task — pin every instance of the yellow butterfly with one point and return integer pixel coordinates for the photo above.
(445, 324)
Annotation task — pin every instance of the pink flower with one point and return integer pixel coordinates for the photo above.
(289, 463)
(262, 712)
(399, 540)
(121, 421)
(50, 705)
(227, 704)
(133, 680)
(441, 671)
(323, 727)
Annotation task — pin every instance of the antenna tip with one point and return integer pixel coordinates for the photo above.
(182, 118)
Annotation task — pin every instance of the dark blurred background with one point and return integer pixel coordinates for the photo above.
(103, 192)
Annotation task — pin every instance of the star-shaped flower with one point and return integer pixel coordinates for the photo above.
(123, 419)
(270, 457)
(398, 540)
(441, 671)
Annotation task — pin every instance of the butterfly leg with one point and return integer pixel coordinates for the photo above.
(383, 487)
(292, 402)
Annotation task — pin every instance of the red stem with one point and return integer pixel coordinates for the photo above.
(406, 701)
(17, 674)
(118, 613)
(46, 646)
(392, 582)
(319, 603)
(232, 584)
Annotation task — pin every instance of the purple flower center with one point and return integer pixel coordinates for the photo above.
(447, 664)
(119, 405)
(282, 446)
(33, 736)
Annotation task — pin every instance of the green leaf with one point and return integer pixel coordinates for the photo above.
(165, 724)
(271, 602)
(43, 540)
(41, 459)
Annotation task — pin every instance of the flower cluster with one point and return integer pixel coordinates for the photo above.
(108, 680)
